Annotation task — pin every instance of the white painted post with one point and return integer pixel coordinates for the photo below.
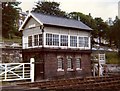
(5, 71)
(68, 41)
(101, 61)
(23, 71)
(32, 60)
(94, 70)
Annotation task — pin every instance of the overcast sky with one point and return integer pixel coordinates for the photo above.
(97, 8)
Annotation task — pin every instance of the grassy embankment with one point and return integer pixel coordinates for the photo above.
(14, 40)
(112, 58)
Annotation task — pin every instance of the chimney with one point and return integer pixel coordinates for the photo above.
(78, 18)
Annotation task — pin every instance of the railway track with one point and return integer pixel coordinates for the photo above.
(92, 83)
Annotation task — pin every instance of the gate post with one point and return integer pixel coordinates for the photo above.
(32, 69)
(6, 72)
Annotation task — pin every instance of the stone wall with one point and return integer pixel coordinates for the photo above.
(11, 55)
(113, 68)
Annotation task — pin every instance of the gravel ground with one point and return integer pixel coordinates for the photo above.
(17, 88)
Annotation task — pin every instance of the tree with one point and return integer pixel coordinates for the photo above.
(116, 32)
(10, 16)
(102, 29)
(50, 8)
(87, 19)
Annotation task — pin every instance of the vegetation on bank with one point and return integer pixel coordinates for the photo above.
(112, 58)
(13, 40)
(101, 30)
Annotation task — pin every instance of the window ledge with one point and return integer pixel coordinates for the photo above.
(78, 69)
(69, 69)
(60, 69)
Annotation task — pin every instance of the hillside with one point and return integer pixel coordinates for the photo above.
(112, 58)
(13, 40)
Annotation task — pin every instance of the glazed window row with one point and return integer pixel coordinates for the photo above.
(58, 40)
(69, 64)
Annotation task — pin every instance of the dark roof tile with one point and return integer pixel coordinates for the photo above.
(59, 21)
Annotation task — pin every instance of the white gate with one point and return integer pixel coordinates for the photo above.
(17, 71)
(98, 68)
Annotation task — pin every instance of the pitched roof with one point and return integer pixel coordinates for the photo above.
(58, 21)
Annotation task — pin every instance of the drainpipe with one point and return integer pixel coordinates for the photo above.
(42, 36)
(43, 51)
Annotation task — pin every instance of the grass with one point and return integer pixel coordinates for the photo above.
(14, 40)
(112, 58)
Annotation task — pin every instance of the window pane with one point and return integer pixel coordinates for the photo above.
(78, 63)
(55, 40)
(69, 63)
(63, 40)
(48, 39)
(86, 41)
(81, 42)
(35, 40)
(29, 41)
(40, 39)
(73, 41)
(101, 57)
(60, 63)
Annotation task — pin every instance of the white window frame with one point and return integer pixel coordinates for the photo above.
(68, 46)
(80, 42)
(85, 47)
(69, 61)
(86, 41)
(56, 46)
(54, 39)
(101, 58)
(31, 42)
(39, 40)
(36, 39)
(78, 68)
(61, 64)
(48, 43)
(73, 41)
(67, 39)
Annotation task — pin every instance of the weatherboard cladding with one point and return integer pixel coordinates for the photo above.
(59, 21)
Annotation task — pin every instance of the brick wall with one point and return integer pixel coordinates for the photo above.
(51, 65)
